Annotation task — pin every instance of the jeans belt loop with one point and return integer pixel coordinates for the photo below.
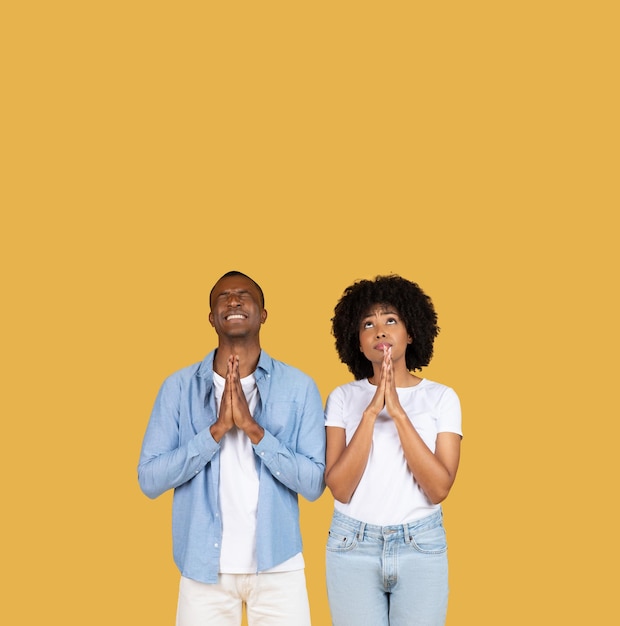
(360, 531)
(407, 533)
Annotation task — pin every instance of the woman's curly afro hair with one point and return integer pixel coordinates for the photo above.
(413, 306)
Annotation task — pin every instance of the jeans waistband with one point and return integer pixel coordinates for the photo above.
(395, 532)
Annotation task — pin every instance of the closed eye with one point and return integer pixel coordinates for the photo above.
(242, 295)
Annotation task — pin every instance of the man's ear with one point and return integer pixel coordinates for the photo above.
(263, 316)
(211, 319)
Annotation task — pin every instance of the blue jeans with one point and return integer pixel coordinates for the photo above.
(387, 575)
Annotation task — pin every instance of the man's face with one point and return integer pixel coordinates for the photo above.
(236, 309)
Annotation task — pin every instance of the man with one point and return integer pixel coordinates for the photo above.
(237, 436)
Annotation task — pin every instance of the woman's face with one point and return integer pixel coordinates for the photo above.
(382, 327)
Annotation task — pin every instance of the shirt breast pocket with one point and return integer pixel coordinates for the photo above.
(280, 419)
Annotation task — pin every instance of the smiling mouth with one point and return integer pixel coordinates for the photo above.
(234, 316)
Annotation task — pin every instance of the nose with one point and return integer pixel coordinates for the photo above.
(233, 300)
(380, 332)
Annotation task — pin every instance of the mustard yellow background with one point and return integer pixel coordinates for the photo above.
(148, 147)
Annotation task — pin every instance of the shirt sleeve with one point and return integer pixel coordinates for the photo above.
(334, 413)
(449, 413)
(300, 465)
(164, 463)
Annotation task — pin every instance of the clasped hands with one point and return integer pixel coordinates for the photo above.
(386, 395)
(234, 410)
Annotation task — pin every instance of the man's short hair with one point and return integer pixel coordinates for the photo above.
(237, 273)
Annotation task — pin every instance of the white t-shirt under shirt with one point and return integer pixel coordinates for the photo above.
(238, 491)
(387, 493)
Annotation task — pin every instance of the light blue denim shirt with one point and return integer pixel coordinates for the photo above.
(178, 452)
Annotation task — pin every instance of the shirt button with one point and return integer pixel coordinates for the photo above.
(277, 473)
(262, 454)
(216, 545)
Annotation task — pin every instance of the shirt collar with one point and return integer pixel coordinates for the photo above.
(262, 369)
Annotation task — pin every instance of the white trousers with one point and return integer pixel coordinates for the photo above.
(277, 599)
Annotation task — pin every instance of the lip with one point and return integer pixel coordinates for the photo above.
(381, 346)
(235, 316)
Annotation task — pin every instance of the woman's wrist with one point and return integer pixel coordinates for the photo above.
(369, 415)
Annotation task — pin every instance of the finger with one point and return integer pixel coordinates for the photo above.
(235, 373)
(385, 367)
(229, 369)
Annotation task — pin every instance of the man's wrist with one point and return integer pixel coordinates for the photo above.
(254, 432)
(218, 430)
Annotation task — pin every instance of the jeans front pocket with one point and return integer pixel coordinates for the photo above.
(430, 540)
(339, 540)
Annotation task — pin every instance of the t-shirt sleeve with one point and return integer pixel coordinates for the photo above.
(449, 413)
(334, 413)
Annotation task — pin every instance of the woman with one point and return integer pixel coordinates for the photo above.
(393, 447)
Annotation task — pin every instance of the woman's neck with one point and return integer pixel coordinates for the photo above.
(402, 378)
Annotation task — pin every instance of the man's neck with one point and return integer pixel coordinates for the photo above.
(248, 357)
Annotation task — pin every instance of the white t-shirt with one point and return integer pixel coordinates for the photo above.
(238, 491)
(387, 493)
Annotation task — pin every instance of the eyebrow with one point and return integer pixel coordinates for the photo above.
(386, 311)
(229, 291)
